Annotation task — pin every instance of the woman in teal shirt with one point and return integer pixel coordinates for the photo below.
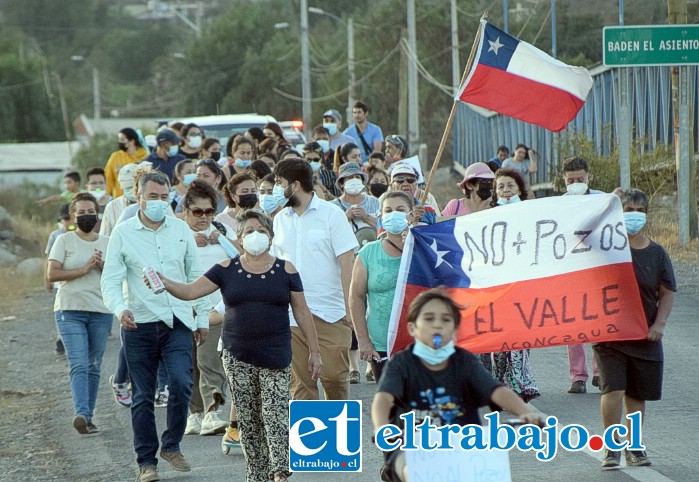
(374, 279)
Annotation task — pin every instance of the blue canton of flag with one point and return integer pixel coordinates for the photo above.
(436, 257)
(497, 48)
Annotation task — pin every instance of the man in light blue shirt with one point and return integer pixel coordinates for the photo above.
(155, 328)
(332, 121)
(366, 135)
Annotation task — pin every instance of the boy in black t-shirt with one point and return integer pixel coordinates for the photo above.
(446, 383)
(631, 372)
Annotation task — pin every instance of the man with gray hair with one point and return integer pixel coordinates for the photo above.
(155, 328)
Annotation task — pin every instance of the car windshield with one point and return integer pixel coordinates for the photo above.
(224, 131)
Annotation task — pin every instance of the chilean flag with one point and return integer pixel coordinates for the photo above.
(540, 273)
(518, 80)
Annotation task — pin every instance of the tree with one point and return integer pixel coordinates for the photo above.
(25, 107)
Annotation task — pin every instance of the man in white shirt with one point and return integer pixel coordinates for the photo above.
(155, 328)
(315, 236)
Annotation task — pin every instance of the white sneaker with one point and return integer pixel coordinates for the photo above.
(193, 424)
(212, 424)
(121, 393)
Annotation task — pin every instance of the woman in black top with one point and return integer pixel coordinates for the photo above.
(257, 289)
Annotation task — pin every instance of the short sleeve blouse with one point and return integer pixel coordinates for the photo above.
(256, 323)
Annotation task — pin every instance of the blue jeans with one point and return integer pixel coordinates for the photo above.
(145, 348)
(84, 335)
(121, 374)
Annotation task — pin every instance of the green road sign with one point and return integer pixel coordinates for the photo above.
(643, 45)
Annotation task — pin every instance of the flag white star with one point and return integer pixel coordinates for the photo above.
(495, 46)
(440, 254)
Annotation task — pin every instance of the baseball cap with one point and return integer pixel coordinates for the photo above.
(402, 168)
(350, 169)
(166, 135)
(334, 114)
(477, 170)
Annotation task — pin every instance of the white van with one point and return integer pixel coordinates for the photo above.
(223, 126)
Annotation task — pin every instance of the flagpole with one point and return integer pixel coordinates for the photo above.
(450, 121)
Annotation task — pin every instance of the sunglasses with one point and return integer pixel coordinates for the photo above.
(401, 180)
(197, 212)
(395, 140)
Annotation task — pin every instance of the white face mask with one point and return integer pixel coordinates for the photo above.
(98, 194)
(577, 188)
(195, 142)
(353, 186)
(256, 243)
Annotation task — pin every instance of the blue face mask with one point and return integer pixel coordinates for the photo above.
(433, 356)
(242, 163)
(315, 165)
(513, 200)
(172, 152)
(278, 194)
(395, 222)
(156, 210)
(269, 203)
(330, 127)
(188, 178)
(130, 197)
(325, 144)
(634, 222)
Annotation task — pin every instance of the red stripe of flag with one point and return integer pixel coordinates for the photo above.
(521, 98)
(593, 305)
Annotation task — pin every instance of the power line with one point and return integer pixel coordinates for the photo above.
(346, 89)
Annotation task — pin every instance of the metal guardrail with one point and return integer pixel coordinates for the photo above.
(478, 132)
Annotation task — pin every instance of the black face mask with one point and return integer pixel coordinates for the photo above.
(378, 189)
(485, 190)
(86, 222)
(247, 201)
(216, 156)
(122, 146)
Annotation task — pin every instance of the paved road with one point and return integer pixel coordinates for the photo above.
(670, 432)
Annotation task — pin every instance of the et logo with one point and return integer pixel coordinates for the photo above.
(325, 436)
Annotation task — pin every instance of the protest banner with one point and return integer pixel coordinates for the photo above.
(541, 273)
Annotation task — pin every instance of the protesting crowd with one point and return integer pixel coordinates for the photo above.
(243, 273)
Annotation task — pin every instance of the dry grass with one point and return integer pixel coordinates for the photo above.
(32, 235)
(663, 228)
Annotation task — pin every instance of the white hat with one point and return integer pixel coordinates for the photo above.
(126, 176)
(402, 168)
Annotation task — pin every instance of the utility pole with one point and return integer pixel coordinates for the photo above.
(455, 68)
(624, 129)
(403, 88)
(96, 100)
(351, 94)
(64, 112)
(682, 127)
(553, 28)
(305, 71)
(676, 14)
(413, 97)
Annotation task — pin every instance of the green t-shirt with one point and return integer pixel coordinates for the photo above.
(382, 271)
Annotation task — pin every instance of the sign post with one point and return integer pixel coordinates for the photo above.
(656, 45)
